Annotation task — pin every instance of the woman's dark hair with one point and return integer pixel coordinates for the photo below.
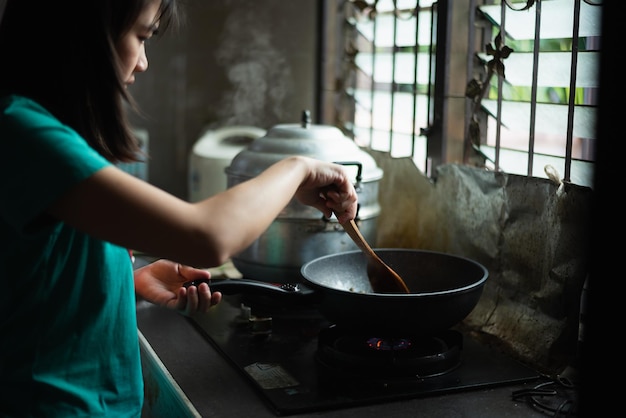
(61, 53)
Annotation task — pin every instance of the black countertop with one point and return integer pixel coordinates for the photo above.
(215, 388)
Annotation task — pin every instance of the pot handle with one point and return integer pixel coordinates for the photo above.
(359, 172)
(357, 185)
(255, 287)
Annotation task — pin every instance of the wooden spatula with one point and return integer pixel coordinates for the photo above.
(381, 276)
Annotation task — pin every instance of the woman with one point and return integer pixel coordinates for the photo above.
(69, 343)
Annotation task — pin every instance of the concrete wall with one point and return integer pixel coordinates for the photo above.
(235, 62)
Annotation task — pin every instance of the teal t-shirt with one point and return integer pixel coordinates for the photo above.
(68, 330)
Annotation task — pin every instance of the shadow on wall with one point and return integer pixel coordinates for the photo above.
(530, 233)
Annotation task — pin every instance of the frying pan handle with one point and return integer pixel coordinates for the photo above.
(254, 287)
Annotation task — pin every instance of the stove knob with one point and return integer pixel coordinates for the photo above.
(261, 325)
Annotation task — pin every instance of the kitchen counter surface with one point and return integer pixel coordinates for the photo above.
(212, 387)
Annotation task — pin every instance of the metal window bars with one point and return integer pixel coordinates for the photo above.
(394, 83)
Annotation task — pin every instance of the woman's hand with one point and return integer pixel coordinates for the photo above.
(328, 188)
(161, 283)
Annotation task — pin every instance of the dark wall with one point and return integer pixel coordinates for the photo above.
(235, 62)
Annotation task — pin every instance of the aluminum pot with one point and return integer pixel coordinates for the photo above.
(300, 233)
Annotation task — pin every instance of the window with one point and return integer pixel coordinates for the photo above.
(387, 83)
(548, 97)
(407, 68)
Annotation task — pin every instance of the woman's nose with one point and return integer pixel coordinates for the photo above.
(142, 62)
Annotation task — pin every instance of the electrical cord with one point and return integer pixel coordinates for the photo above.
(557, 398)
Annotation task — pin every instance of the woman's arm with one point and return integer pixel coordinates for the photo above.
(117, 207)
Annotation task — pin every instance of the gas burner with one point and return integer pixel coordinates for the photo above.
(390, 356)
(317, 356)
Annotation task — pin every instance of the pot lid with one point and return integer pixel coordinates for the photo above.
(324, 142)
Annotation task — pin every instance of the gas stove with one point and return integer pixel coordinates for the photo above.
(298, 362)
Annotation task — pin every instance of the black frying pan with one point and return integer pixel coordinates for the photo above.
(444, 290)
